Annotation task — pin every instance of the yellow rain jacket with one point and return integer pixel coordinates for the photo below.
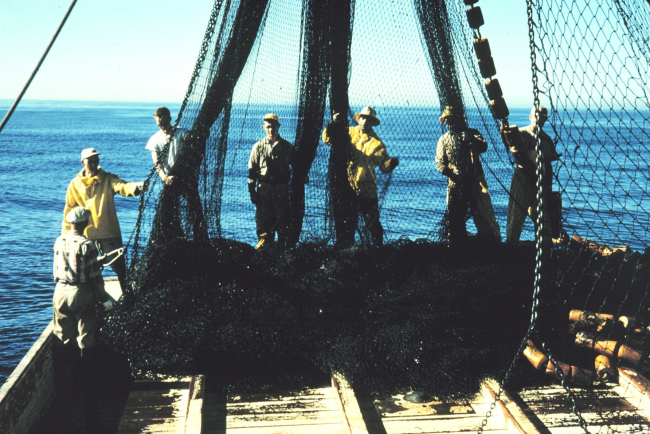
(368, 152)
(96, 193)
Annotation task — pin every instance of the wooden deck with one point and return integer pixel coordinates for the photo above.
(400, 416)
(177, 406)
(331, 409)
(187, 405)
(622, 407)
(156, 407)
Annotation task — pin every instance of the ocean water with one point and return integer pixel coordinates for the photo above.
(39, 155)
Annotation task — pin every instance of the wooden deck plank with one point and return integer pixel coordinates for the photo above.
(443, 425)
(636, 389)
(508, 410)
(306, 394)
(399, 416)
(356, 410)
(273, 407)
(602, 408)
(155, 411)
(194, 412)
(311, 410)
(305, 429)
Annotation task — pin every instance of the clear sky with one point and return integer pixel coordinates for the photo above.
(145, 50)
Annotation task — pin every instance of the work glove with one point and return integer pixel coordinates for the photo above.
(456, 175)
(253, 193)
(139, 186)
(108, 305)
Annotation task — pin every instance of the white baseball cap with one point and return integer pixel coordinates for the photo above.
(89, 152)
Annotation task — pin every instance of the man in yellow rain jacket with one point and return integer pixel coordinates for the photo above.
(366, 151)
(457, 157)
(93, 188)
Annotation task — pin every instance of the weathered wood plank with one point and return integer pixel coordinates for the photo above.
(272, 407)
(296, 412)
(397, 407)
(194, 413)
(636, 389)
(286, 429)
(310, 401)
(357, 412)
(512, 416)
(265, 420)
(29, 388)
(596, 422)
(443, 425)
(155, 411)
(400, 416)
(306, 394)
(601, 408)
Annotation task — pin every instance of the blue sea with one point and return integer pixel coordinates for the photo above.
(39, 155)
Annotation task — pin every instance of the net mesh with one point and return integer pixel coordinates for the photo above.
(412, 313)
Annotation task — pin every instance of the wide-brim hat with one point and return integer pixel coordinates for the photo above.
(542, 111)
(450, 112)
(370, 112)
(77, 215)
(272, 117)
(88, 152)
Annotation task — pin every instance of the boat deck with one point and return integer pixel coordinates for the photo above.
(189, 405)
(330, 409)
(185, 406)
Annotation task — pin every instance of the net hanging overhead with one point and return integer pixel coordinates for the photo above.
(277, 57)
(304, 61)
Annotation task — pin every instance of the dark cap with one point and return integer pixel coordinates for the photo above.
(543, 112)
(162, 111)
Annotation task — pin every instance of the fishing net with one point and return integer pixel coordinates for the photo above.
(413, 313)
(590, 65)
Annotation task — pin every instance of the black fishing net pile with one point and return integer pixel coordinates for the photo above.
(409, 315)
(617, 284)
(403, 315)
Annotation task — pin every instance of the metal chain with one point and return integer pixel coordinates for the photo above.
(539, 250)
(540, 245)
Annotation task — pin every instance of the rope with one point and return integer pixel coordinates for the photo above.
(40, 62)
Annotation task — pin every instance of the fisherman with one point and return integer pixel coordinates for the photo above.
(93, 188)
(268, 179)
(523, 190)
(78, 277)
(168, 218)
(457, 157)
(79, 283)
(366, 152)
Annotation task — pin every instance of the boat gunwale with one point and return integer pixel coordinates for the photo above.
(11, 386)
